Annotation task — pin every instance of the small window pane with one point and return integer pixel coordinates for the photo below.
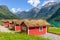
(23, 28)
(41, 28)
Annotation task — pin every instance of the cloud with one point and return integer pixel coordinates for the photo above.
(27, 10)
(14, 10)
(34, 2)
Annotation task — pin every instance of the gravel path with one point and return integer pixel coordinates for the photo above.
(4, 29)
(52, 36)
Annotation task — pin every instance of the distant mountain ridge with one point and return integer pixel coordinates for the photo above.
(52, 14)
(50, 4)
(36, 13)
(5, 13)
(28, 14)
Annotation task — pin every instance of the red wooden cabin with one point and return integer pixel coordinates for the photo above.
(5, 23)
(34, 27)
(17, 25)
(11, 24)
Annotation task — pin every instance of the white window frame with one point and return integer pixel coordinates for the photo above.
(23, 28)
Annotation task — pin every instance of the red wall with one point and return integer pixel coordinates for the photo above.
(17, 28)
(11, 26)
(5, 23)
(35, 31)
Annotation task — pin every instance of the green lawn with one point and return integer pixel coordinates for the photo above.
(0, 22)
(19, 36)
(54, 30)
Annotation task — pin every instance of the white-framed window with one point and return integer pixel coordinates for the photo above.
(40, 29)
(23, 28)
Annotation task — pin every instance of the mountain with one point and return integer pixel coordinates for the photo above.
(54, 19)
(49, 4)
(36, 13)
(49, 12)
(5, 13)
(56, 15)
(45, 11)
(28, 14)
(17, 13)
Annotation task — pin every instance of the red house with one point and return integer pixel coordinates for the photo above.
(34, 27)
(11, 24)
(17, 25)
(5, 23)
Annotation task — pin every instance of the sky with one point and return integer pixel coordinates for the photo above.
(21, 5)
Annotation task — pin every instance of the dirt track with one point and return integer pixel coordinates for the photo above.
(4, 29)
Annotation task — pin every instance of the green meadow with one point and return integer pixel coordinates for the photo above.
(55, 30)
(19, 36)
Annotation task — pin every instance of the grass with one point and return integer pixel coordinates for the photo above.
(0, 22)
(19, 36)
(54, 30)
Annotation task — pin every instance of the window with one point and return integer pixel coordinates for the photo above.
(40, 29)
(24, 28)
